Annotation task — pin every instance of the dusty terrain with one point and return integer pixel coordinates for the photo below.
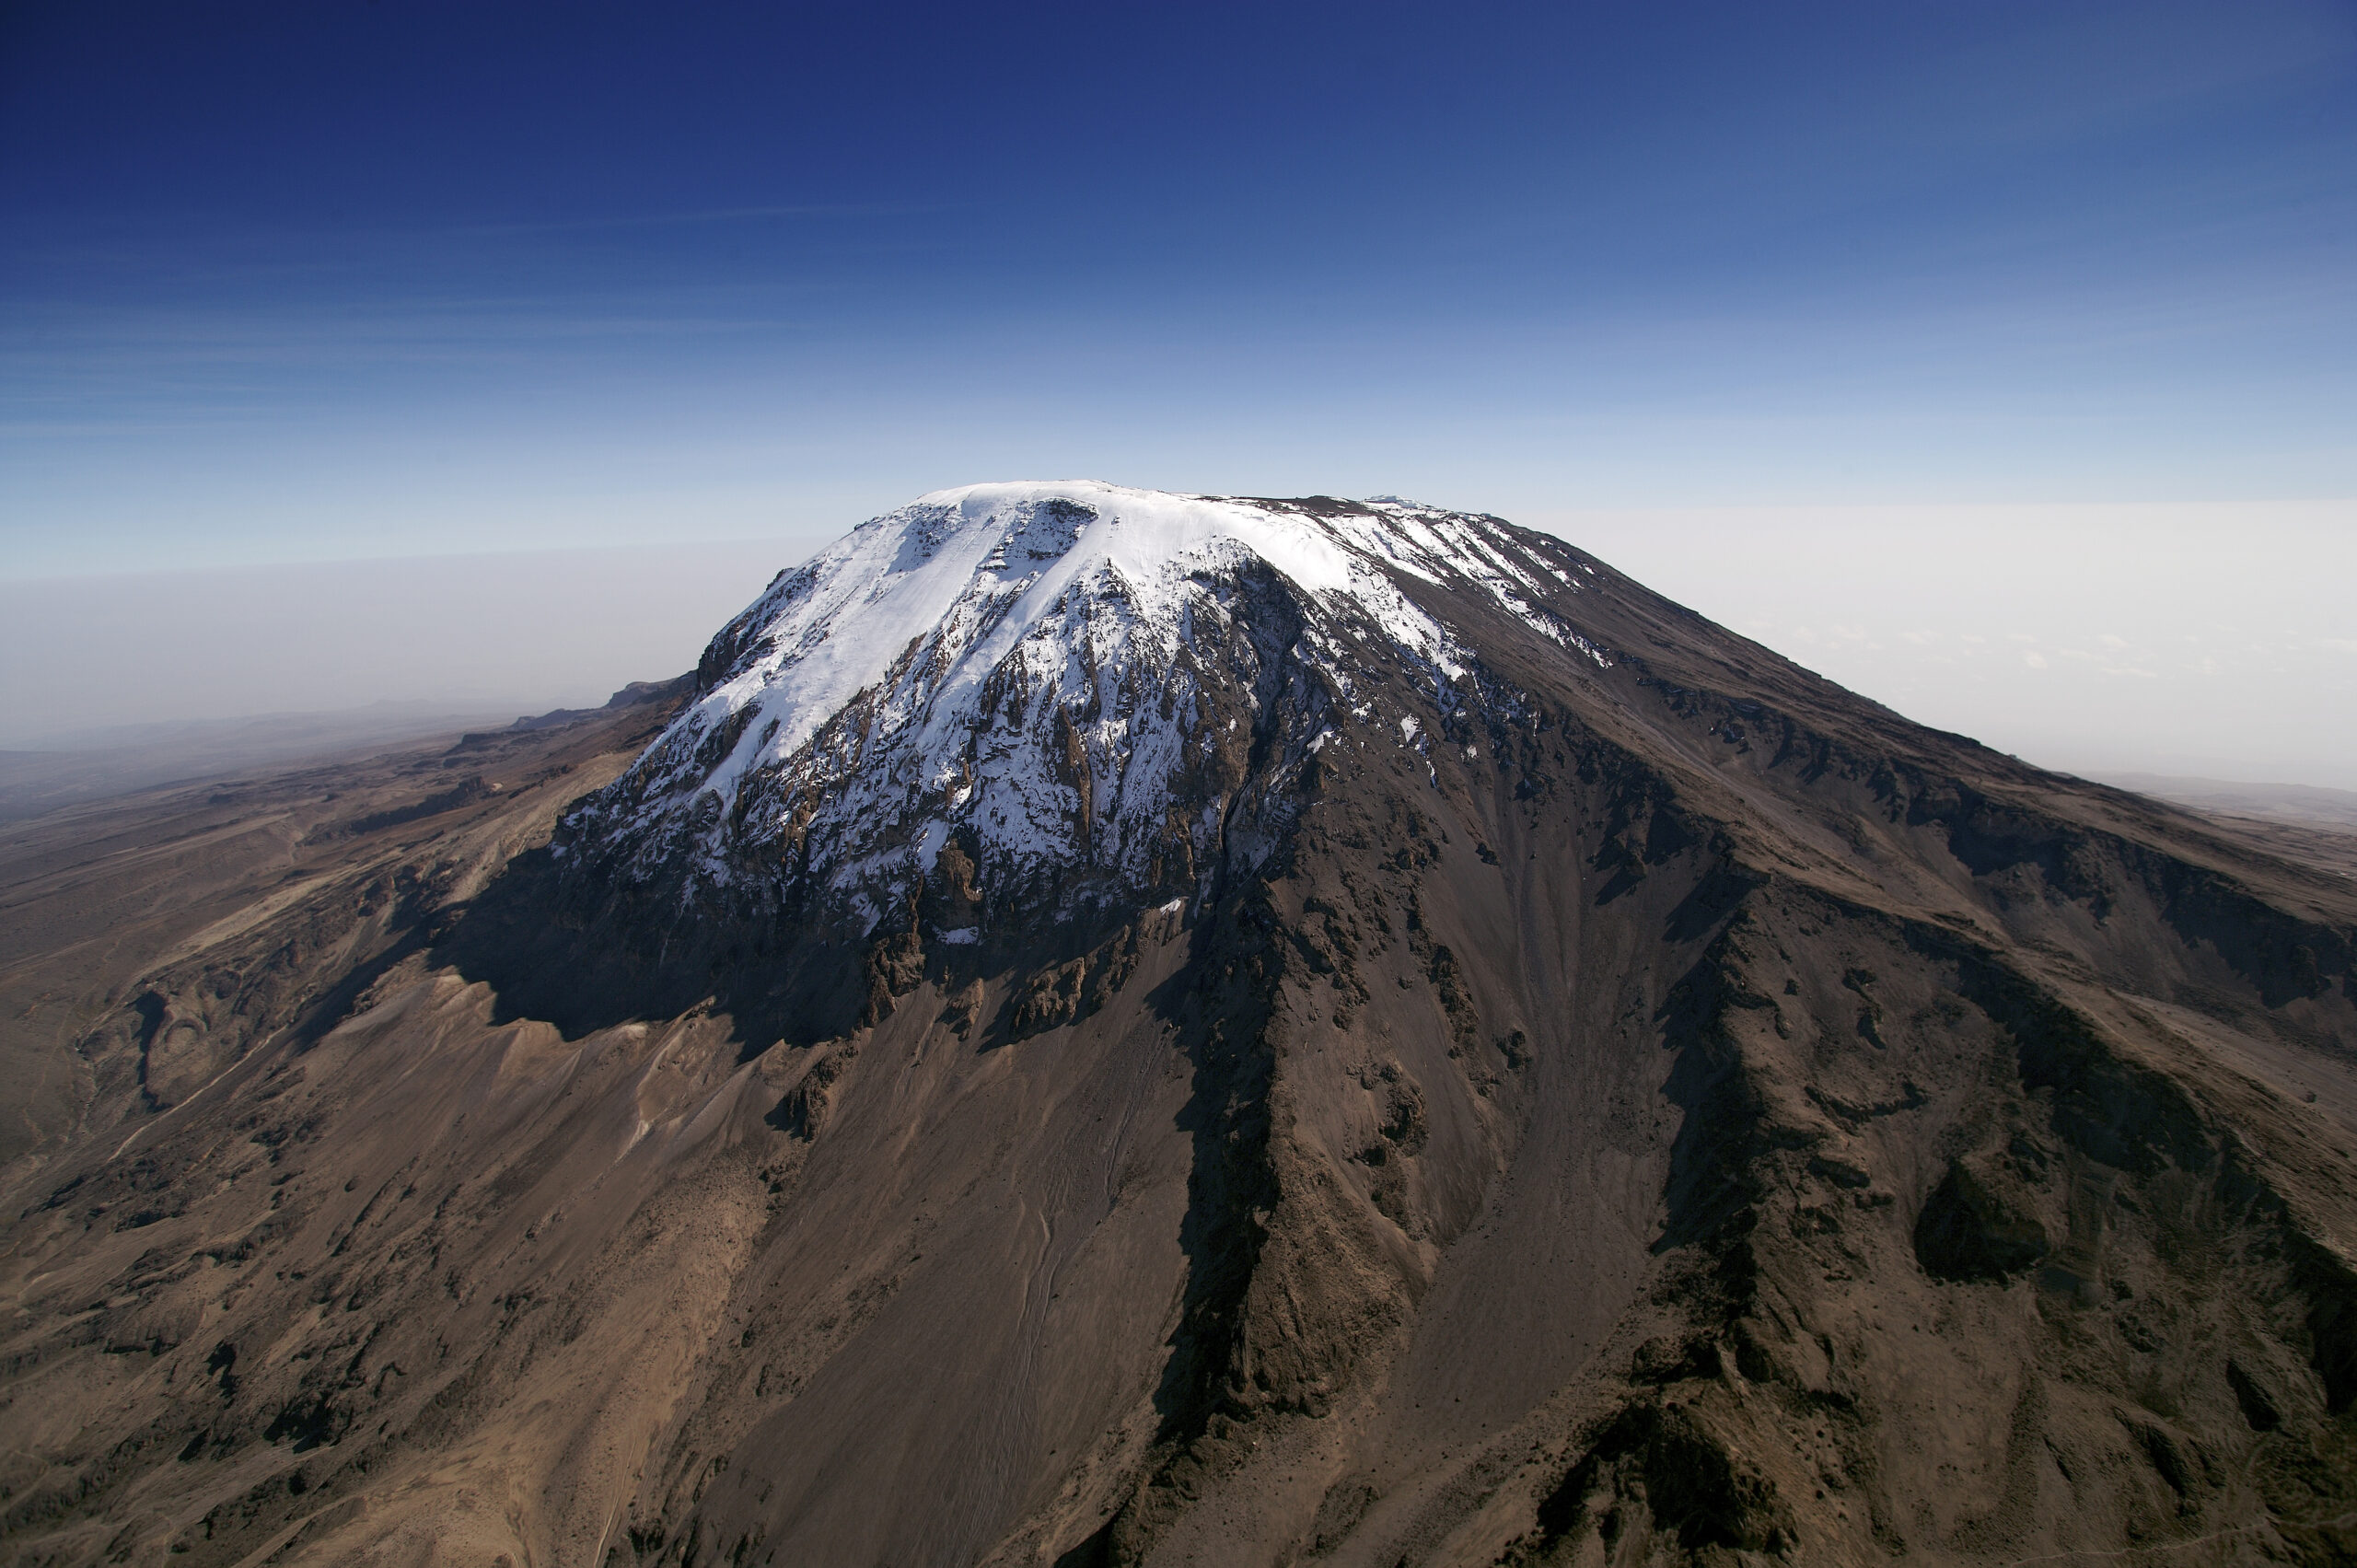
(1687, 1113)
(103, 764)
(2303, 806)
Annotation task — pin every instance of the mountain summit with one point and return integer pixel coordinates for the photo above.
(1108, 1027)
(1062, 686)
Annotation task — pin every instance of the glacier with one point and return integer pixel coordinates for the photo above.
(1016, 692)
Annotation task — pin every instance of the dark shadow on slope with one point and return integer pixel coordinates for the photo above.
(528, 937)
(1709, 1192)
(334, 1006)
(1220, 1002)
(1664, 1460)
(1098, 1551)
(2281, 956)
(2126, 1115)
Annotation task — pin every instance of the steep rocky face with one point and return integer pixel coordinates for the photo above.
(1114, 1027)
(1024, 701)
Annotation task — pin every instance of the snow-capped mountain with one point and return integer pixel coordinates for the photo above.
(1106, 1028)
(1038, 691)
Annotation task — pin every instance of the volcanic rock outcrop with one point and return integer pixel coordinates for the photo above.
(1116, 1028)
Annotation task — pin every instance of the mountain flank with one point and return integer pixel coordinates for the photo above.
(1107, 1028)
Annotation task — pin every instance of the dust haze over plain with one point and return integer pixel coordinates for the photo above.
(1987, 360)
(2206, 639)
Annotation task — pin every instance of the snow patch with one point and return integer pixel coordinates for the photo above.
(1021, 669)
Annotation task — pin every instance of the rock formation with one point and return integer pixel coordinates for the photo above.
(1108, 1027)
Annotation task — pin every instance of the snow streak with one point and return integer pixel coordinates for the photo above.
(1024, 679)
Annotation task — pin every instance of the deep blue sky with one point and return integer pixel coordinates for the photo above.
(330, 280)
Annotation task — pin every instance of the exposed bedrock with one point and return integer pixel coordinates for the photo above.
(1575, 1089)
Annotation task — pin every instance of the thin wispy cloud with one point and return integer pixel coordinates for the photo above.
(1537, 262)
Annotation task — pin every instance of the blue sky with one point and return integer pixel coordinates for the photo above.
(1998, 359)
(290, 281)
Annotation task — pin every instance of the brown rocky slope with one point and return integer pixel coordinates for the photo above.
(1679, 1112)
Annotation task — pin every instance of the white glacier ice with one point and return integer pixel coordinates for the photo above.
(1037, 676)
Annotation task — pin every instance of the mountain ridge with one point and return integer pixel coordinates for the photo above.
(1655, 1107)
(1078, 585)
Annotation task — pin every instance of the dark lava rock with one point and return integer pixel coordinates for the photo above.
(1969, 1231)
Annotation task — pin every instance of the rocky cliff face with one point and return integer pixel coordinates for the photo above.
(1115, 1028)
(1017, 702)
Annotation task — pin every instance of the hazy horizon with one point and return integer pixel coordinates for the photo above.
(2093, 640)
(355, 353)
